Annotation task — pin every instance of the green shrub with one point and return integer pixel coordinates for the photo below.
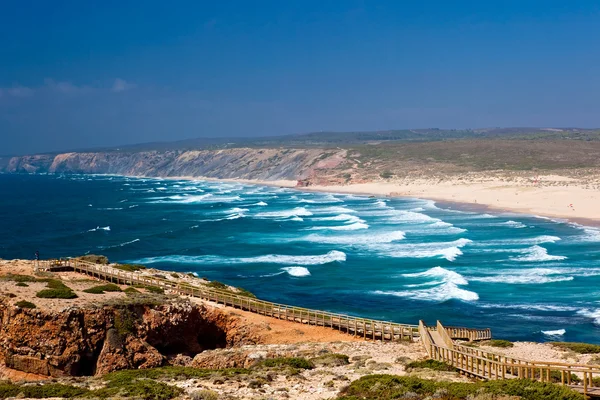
(217, 285)
(154, 289)
(129, 267)
(169, 372)
(101, 289)
(22, 284)
(499, 343)
(140, 389)
(125, 321)
(131, 290)
(331, 360)
(41, 391)
(151, 289)
(555, 376)
(175, 275)
(56, 290)
(205, 395)
(25, 304)
(430, 364)
(20, 278)
(387, 387)
(294, 362)
(386, 174)
(582, 348)
(96, 259)
(244, 292)
(56, 294)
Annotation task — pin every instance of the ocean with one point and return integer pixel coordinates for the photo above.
(397, 259)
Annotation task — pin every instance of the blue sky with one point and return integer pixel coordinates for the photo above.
(78, 73)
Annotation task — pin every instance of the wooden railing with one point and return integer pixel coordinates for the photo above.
(469, 334)
(444, 335)
(426, 338)
(488, 365)
(362, 327)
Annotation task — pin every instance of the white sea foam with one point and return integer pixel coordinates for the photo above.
(531, 307)
(448, 250)
(238, 210)
(100, 228)
(296, 218)
(521, 241)
(558, 332)
(342, 217)
(333, 210)
(119, 245)
(349, 227)
(297, 271)
(332, 256)
(445, 286)
(110, 208)
(591, 313)
(161, 188)
(133, 206)
(537, 254)
(296, 212)
(322, 200)
(260, 203)
(363, 239)
(531, 276)
(514, 224)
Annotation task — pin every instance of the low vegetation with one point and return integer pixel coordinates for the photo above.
(94, 258)
(430, 364)
(129, 267)
(56, 290)
(25, 304)
(581, 348)
(101, 289)
(330, 360)
(40, 391)
(150, 288)
(236, 290)
(387, 387)
(499, 343)
(294, 362)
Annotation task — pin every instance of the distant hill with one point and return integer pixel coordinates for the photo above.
(334, 139)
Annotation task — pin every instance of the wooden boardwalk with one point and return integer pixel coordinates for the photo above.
(488, 365)
(439, 341)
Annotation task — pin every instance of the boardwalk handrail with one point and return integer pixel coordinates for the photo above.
(367, 328)
(444, 335)
(490, 365)
(470, 334)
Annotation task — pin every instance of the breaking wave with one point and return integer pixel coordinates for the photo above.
(527, 277)
(445, 286)
(296, 212)
(387, 237)
(332, 256)
(100, 228)
(297, 271)
(350, 227)
(537, 254)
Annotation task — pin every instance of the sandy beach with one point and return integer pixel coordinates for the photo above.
(552, 196)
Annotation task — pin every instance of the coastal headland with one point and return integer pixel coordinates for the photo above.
(552, 173)
(89, 337)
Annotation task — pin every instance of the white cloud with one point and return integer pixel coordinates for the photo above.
(122, 85)
(17, 91)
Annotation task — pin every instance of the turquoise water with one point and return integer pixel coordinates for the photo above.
(526, 277)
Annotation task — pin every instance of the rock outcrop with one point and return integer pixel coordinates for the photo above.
(95, 341)
(243, 163)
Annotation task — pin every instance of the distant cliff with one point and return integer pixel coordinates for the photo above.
(243, 163)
